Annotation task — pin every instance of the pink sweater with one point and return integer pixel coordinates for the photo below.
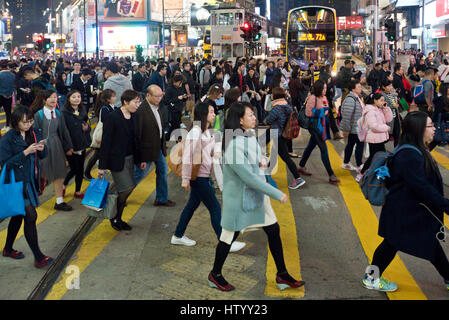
(375, 121)
(320, 103)
(194, 144)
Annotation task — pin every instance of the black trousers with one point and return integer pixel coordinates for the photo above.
(6, 103)
(76, 163)
(90, 164)
(385, 253)
(353, 140)
(373, 148)
(282, 147)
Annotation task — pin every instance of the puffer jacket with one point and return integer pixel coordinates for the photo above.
(376, 121)
(277, 117)
(351, 112)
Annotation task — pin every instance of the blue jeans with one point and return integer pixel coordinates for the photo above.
(161, 177)
(202, 190)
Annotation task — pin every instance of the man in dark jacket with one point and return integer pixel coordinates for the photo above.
(346, 76)
(84, 84)
(150, 135)
(374, 77)
(398, 83)
(139, 78)
(174, 100)
(158, 78)
(191, 84)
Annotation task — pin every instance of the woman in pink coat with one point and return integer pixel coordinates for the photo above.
(375, 117)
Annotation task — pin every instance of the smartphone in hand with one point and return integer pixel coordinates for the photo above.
(44, 141)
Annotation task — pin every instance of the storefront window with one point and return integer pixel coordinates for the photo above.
(227, 50)
(238, 49)
(216, 51)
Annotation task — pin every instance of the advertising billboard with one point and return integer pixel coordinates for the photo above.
(172, 6)
(124, 10)
(123, 38)
(200, 16)
(442, 8)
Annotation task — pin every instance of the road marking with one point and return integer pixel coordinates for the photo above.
(444, 161)
(366, 224)
(286, 220)
(46, 209)
(103, 234)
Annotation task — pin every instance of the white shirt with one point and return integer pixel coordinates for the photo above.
(158, 118)
(47, 113)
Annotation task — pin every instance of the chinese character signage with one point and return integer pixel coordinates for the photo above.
(7, 23)
(345, 23)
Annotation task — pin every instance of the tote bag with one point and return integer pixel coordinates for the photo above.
(96, 194)
(11, 196)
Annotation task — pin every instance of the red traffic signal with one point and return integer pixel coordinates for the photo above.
(246, 25)
(40, 38)
(246, 28)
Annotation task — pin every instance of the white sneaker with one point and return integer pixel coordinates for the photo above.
(359, 177)
(348, 166)
(359, 168)
(183, 241)
(236, 246)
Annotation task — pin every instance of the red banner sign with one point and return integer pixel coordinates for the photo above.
(442, 8)
(344, 23)
(439, 34)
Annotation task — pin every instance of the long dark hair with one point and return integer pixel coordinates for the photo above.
(276, 81)
(413, 129)
(318, 87)
(231, 96)
(68, 105)
(18, 114)
(200, 113)
(39, 101)
(232, 120)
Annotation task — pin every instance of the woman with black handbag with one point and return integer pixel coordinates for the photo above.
(20, 149)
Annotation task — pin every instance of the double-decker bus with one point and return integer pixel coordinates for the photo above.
(312, 37)
(225, 34)
(344, 46)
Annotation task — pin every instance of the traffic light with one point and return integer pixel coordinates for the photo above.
(39, 41)
(256, 33)
(247, 31)
(390, 24)
(47, 44)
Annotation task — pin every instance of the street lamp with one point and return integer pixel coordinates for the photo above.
(18, 27)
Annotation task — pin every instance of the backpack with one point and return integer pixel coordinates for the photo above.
(175, 160)
(41, 113)
(418, 93)
(292, 127)
(373, 182)
(362, 130)
(303, 119)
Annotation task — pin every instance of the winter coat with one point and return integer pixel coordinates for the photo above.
(351, 112)
(404, 222)
(244, 186)
(277, 117)
(375, 120)
(80, 139)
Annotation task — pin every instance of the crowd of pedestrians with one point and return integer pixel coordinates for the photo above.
(139, 106)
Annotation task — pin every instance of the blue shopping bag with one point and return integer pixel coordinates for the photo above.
(96, 194)
(11, 196)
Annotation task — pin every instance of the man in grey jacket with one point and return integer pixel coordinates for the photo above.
(116, 81)
(351, 112)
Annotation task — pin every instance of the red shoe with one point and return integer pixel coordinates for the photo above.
(214, 284)
(46, 261)
(283, 284)
(13, 254)
(78, 196)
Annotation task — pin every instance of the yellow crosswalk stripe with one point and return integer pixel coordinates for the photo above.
(286, 220)
(444, 161)
(103, 234)
(46, 209)
(366, 224)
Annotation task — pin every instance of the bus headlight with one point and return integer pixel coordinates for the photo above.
(334, 73)
(338, 54)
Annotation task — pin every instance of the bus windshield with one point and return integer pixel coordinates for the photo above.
(311, 36)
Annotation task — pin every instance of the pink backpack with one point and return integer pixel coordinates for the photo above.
(362, 129)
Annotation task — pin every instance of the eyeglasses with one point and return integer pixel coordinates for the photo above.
(28, 122)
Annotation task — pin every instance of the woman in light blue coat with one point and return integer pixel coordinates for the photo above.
(246, 202)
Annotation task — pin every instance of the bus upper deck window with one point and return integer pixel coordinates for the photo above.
(239, 18)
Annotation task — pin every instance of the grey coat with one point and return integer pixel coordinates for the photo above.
(351, 111)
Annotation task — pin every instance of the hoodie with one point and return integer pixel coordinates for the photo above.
(119, 83)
